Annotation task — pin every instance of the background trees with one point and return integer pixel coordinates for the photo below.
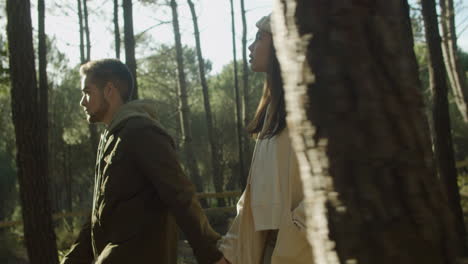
(184, 109)
(443, 147)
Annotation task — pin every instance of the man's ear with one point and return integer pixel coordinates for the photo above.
(109, 90)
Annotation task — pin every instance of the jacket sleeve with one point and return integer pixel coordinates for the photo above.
(81, 251)
(156, 159)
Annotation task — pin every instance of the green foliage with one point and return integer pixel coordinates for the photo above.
(158, 80)
(223, 105)
(8, 192)
(65, 110)
(463, 56)
(459, 132)
(7, 185)
(12, 250)
(4, 71)
(71, 154)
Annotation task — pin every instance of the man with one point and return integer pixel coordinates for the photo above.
(140, 190)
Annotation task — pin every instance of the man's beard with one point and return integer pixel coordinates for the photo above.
(98, 116)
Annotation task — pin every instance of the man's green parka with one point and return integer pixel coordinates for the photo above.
(141, 195)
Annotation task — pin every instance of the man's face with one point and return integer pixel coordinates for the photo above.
(92, 100)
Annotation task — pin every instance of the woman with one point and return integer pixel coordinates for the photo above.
(269, 226)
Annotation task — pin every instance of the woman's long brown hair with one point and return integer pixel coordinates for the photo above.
(273, 97)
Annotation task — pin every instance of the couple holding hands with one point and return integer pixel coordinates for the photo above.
(141, 194)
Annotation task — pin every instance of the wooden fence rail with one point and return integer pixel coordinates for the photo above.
(460, 165)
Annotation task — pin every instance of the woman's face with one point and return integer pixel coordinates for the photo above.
(260, 51)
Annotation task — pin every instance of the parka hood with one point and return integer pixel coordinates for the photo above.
(136, 108)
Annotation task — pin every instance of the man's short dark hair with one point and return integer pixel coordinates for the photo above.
(110, 70)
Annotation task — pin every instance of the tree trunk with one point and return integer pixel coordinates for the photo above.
(116, 29)
(44, 97)
(31, 152)
(184, 109)
(94, 135)
(218, 179)
(355, 115)
(455, 72)
(243, 175)
(245, 66)
(80, 22)
(443, 147)
(246, 90)
(129, 40)
(86, 30)
(43, 85)
(54, 155)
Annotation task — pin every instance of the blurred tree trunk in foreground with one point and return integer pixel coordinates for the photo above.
(356, 120)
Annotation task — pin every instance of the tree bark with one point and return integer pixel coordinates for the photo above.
(84, 56)
(443, 146)
(184, 110)
(129, 40)
(86, 30)
(43, 85)
(81, 30)
(31, 151)
(245, 85)
(218, 179)
(53, 148)
(245, 65)
(355, 115)
(455, 72)
(242, 174)
(44, 99)
(116, 29)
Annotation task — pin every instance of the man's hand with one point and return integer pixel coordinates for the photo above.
(223, 260)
